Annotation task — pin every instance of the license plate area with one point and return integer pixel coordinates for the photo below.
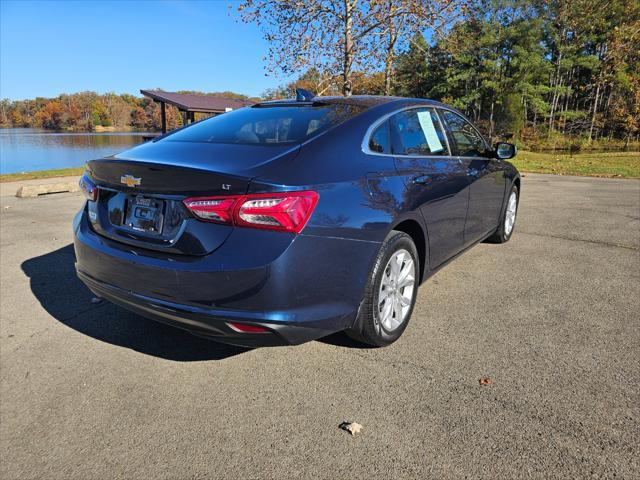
(144, 214)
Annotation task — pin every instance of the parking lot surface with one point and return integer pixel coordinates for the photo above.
(552, 318)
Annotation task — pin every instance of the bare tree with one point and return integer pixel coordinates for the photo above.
(334, 36)
(398, 29)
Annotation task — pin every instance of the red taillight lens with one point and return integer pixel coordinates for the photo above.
(245, 328)
(288, 212)
(88, 188)
(283, 211)
(212, 209)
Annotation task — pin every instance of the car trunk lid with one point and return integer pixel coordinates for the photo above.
(141, 192)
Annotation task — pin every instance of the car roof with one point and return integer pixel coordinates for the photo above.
(366, 101)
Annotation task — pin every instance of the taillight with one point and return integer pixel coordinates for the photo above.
(283, 211)
(88, 188)
(288, 212)
(212, 209)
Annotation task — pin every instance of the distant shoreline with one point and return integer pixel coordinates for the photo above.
(101, 129)
(96, 129)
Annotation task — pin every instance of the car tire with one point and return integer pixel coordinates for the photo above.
(387, 304)
(508, 220)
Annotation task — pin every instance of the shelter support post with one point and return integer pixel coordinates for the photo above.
(163, 112)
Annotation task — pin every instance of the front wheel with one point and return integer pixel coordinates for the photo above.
(390, 293)
(508, 222)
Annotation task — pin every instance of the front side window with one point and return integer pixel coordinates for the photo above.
(417, 132)
(468, 142)
(267, 125)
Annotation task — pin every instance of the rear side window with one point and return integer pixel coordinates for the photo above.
(275, 125)
(468, 142)
(379, 141)
(417, 132)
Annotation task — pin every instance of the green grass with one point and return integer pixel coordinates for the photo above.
(609, 164)
(61, 172)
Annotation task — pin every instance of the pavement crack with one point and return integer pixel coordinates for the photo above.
(597, 242)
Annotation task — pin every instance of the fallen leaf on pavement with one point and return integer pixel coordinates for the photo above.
(485, 381)
(352, 428)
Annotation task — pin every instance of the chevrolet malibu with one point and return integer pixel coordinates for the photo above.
(289, 220)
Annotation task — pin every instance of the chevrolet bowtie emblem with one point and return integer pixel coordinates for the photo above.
(130, 180)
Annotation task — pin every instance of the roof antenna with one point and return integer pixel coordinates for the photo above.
(303, 95)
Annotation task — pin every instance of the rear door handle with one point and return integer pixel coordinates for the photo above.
(422, 180)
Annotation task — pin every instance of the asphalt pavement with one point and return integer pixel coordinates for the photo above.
(552, 318)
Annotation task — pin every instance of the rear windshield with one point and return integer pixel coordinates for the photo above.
(276, 125)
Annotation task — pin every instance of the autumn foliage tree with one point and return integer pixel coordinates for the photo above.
(51, 116)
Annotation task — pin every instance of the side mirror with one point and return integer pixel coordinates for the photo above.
(505, 151)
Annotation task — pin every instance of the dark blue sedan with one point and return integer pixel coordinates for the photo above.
(290, 220)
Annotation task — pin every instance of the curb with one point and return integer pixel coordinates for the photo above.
(32, 191)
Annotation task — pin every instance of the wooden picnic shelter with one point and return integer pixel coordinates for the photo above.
(189, 104)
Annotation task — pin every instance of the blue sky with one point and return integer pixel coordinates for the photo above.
(53, 47)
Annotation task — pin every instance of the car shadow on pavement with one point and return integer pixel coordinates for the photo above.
(341, 339)
(56, 286)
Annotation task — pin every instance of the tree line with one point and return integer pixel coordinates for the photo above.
(545, 72)
(88, 111)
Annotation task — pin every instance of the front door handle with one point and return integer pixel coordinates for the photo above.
(422, 180)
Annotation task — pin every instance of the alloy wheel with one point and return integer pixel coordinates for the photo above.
(396, 290)
(510, 216)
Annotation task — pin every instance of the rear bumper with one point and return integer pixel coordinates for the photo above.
(300, 289)
(204, 322)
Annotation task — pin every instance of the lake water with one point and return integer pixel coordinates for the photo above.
(28, 149)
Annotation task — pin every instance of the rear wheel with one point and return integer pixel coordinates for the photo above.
(508, 222)
(390, 293)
